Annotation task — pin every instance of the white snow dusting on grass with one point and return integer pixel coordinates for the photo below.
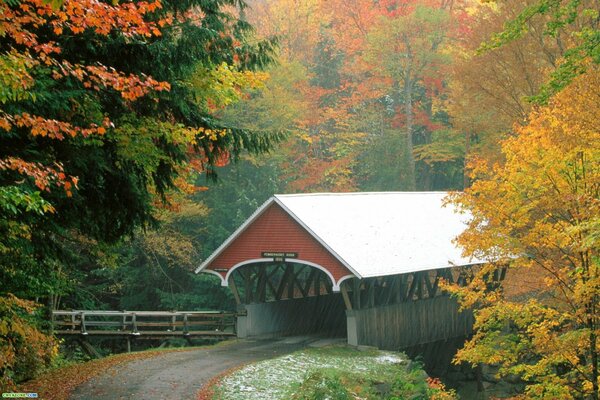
(276, 378)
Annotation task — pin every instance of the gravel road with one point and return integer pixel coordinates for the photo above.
(179, 375)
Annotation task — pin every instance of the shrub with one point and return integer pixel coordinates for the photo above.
(24, 349)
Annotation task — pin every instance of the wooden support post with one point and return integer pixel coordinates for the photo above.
(309, 281)
(270, 285)
(298, 283)
(261, 285)
(186, 328)
(173, 319)
(83, 329)
(247, 276)
(89, 349)
(421, 286)
(391, 288)
(317, 285)
(428, 285)
(291, 279)
(344, 290)
(413, 286)
(284, 280)
(436, 283)
(356, 293)
(234, 289)
(457, 276)
(52, 320)
(401, 292)
(134, 330)
(371, 292)
(379, 289)
(129, 344)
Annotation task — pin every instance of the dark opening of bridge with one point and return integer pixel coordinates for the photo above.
(286, 298)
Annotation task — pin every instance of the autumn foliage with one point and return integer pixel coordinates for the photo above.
(24, 349)
(103, 120)
(538, 213)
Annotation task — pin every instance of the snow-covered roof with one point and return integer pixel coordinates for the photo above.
(377, 233)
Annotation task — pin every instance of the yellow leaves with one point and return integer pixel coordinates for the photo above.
(306, 138)
(540, 207)
(211, 134)
(15, 78)
(220, 86)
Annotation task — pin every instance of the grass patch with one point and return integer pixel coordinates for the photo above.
(336, 373)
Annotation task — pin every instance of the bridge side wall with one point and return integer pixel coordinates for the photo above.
(318, 314)
(407, 324)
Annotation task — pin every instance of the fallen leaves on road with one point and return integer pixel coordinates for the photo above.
(207, 392)
(58, 384)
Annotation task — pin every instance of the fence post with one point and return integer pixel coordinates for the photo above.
(185, 325)
(124, 327)
(83, 329)
(134, 323)
(52, 322)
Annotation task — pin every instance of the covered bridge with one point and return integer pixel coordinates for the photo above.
(364, 265)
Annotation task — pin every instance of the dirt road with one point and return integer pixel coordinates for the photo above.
(179, 375)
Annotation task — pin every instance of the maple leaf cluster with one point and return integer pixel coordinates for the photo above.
(29, 49)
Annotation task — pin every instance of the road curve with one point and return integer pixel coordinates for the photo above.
(179, 375)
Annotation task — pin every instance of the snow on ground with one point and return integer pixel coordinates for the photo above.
(275, 378)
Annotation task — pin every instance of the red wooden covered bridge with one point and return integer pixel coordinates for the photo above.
(364, 265)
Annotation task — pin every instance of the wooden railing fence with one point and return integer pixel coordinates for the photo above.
(144, 323)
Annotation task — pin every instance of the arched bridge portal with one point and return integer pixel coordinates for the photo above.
(286, 298)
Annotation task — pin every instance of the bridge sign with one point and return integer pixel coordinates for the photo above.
(279, 256)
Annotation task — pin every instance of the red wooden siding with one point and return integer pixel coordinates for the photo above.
(275, 230)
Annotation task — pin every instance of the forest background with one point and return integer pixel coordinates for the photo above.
(111, 134)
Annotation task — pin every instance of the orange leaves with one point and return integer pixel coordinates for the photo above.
(128, 18)
(77, 16)
(42, 175)
(99, 77)
(51, 128)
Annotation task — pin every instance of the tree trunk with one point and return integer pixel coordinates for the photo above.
(593, 345)
(592, 325)
(409, 132)
(466, 181)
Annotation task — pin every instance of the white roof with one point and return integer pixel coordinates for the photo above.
(377, 234)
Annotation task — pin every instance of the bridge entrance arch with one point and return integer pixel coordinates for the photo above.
(286, 298)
